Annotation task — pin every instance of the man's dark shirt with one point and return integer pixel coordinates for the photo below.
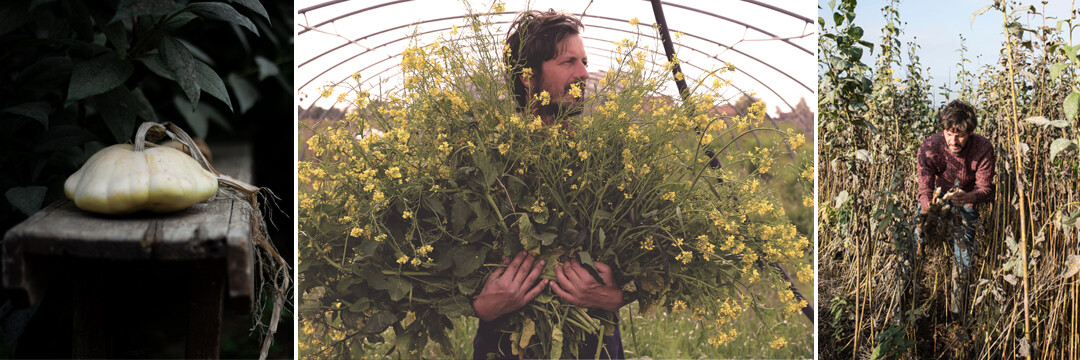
(488, 340)
(939, 167)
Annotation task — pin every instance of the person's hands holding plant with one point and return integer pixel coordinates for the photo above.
(509, 288)
(576, 286)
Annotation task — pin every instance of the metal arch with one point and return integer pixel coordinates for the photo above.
(771, 7)
(714, 56)
(737, 22)
(504, 22)
(328, 3)
(779, 10)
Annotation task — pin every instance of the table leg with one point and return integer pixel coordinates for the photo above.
(205, 310)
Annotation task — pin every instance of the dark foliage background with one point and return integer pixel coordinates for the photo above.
(77, 76)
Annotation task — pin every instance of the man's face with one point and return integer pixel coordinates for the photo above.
(955, 139)
(559, 73)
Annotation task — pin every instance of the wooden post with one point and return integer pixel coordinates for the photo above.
(205, 309)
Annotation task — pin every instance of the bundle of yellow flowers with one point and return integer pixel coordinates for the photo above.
(412, 201)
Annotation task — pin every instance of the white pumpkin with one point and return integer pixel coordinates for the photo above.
(119, 180)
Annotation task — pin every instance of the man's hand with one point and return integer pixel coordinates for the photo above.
(961, 198)
(509, 289)
(576, 286)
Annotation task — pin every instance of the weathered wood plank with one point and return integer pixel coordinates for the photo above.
(219, 228)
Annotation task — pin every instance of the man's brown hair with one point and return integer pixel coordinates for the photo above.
(534, 38)
(958, 115)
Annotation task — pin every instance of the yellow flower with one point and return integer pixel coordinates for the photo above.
(403, 259)
(679, 76)
(583, 155)
(669, 196)
(677, 306)
(797, 140)
(685, 257)
(416, 262)
(407, 214)
(393, 172)
(504, 148)
(778, 344)
(575, 90)
(648, 243)
(527, 73)
(545, 98)
(424, 250)
(634, 21)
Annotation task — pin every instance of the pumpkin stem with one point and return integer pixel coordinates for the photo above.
(140, 136)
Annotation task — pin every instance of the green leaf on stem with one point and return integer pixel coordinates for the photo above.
(97, 75)
(1071, 104)
(223, 12)
(180, 64)
(1059, 145)
(27, 199)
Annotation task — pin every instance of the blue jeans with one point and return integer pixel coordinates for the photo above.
(965, 248)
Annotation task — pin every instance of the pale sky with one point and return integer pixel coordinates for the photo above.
(762, 59)
(936, 27)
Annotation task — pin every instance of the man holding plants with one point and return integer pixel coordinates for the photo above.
(957, 157)
(547, 63)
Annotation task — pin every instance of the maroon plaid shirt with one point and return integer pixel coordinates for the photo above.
(973, 167)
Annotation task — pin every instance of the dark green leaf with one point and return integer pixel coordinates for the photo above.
(37, 110)
(117, 36)
(435, 206)
(454, 306)
(178, 21)
(459, 214)
(27, 199)
(210, 82)
(547, 238)
(468, 286)
(445, 260)
(398, 287)
(133, 8)
(156, 66)
(267, 68)
(253, 5)
(374, 278)
(117, 108)
(97, 75)
(367, 248)
(181, 65)
(468, 259)
(246, 94)
(223, 12)
(379, 322)
(360, 305)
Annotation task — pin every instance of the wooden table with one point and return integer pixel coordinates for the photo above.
(98, 255)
